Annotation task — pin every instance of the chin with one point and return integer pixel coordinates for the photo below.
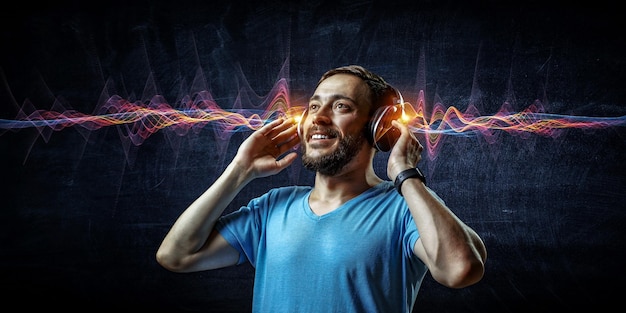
(322, 147)
(315, 154)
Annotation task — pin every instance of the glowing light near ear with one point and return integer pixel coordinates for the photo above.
(297, 119)
(408, 113)
(295, 113)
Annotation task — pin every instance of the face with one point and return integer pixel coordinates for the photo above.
(334, 128)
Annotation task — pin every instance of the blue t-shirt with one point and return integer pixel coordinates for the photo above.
(357, 258)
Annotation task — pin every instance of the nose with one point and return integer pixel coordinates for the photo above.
(322, 116)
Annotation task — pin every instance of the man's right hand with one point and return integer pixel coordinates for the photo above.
(259, 154)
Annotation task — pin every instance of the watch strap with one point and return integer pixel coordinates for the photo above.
(406, 174)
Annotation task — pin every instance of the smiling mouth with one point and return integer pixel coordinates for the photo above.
(319, 136)
(322, 139)
(322, 136)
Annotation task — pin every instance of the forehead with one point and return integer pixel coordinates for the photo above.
(346, 85)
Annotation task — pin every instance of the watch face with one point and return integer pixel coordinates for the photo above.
(383, 133)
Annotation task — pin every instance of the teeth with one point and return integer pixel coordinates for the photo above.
(317, 136)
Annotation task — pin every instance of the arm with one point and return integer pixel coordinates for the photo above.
(192, 244)
(453, 252)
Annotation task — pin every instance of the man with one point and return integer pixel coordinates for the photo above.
(351, 243)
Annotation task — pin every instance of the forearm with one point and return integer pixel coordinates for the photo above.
(192, 229)
(454, 253)
(189, 245)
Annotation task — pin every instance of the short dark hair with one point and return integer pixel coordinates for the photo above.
(379, 88)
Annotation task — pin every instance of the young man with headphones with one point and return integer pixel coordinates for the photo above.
(353, 242)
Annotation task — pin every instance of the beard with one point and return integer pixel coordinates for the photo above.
(331, 164)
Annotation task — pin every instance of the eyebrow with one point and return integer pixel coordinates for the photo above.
(334, 97)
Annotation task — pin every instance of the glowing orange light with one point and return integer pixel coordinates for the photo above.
(408, 113)
(295, 113)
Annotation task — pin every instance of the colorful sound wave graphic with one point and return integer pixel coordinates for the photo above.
(139, 120)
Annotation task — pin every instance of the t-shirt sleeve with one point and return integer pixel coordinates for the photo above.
(242, 229)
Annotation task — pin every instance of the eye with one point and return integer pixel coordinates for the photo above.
(341, 107)
(313, 107)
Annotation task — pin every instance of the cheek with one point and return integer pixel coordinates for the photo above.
(351, 126)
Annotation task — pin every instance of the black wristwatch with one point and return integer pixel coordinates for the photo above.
(406, 174)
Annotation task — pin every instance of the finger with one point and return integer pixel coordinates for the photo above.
(289, 144)
(401, 126)
(286, 160)
(404, 129)
(285, 125)
(275, 129)
(287, 132)
(267, 129)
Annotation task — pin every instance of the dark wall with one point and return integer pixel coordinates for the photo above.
(85, 207)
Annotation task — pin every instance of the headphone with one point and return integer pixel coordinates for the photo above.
(381, 134)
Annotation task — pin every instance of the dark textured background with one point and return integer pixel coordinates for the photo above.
(83, 211)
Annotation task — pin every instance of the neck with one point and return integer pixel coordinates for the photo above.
(357, 177)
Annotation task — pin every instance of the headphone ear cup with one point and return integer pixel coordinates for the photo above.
(300, 122)
(383, 134)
